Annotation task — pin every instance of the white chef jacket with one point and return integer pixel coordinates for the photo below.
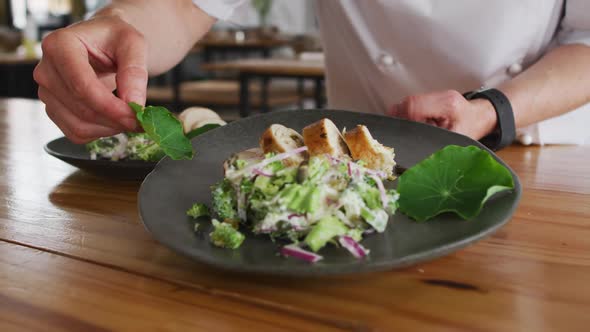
(379, 51)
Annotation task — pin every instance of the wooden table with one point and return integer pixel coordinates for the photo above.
(263, 46)
(74, 256)
(267, 69)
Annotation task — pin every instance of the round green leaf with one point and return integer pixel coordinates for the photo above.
(454, 179)
(164, 129)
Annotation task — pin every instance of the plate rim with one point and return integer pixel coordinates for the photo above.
(62, 156)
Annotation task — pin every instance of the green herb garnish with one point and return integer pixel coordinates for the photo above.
(203, 129)
(454, 179)
(164, 129)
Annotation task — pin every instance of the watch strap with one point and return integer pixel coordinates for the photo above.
(505, 132)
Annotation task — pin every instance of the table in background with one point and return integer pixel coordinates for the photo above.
(267, 69)
(74, 256)
(223, 48)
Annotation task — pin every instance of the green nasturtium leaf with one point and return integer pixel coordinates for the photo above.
(454, 179)
(164, 129)
(203, 129)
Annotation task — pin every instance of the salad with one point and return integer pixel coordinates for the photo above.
(133, 146)
(165, 134)
(322, 188)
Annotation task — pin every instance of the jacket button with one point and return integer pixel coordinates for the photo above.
(515, 69)
(525, 139)
(386, 60)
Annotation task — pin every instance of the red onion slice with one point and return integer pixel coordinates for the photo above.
(295, 251)
(261, 172)
(373, 172)
(262, 164)
(280, 157)
(355, 248)
(333, 159)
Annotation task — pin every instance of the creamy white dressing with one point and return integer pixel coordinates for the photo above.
(119, 151)
(379, 220)
(270, 221)
(352, 203)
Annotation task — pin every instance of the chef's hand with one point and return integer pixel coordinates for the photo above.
(81, 67)
(450, 110)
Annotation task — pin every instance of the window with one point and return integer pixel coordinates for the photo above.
(40, 9)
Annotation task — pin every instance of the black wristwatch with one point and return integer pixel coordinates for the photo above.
(505, 132)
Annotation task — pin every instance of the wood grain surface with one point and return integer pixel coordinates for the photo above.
(74, 256)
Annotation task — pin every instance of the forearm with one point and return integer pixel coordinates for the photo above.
(559, 82)
(169, 27)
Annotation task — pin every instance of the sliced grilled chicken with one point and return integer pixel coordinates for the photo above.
(323, 137)
(278, 139)
(364, 147)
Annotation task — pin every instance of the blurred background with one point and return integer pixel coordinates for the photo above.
(268, 56)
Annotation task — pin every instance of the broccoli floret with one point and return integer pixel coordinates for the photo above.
(224, 200)
(94, 146)
(246, 186)
(102, 147)
(259, 206)
(392, 201)
(198, 210)
(141, 147)
(225, 236)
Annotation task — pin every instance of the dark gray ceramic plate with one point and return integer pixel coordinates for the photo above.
(173, 186)
(76, 155)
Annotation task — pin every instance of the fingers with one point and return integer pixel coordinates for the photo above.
(76, 129)
(132, 75)
(438, 109)
(60, 92)
(69, 57)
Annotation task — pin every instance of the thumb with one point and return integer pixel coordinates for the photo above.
(132, 75)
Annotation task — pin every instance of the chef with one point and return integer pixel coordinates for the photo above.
(492, 70)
